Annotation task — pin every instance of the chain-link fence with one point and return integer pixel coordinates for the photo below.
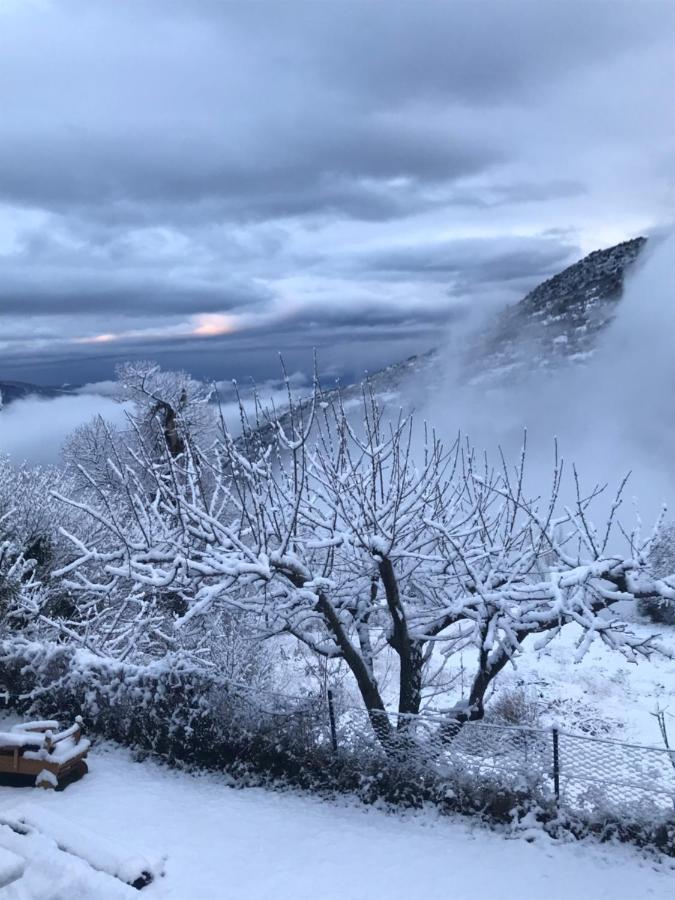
(194, 717)
(596, 773)
(586, 775)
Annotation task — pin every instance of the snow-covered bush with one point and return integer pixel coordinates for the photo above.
(515, 705)
(187, 715)
(19, 592)
(31, 516)
(31, 544)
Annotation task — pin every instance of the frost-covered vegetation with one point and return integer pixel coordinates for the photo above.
(185, 584)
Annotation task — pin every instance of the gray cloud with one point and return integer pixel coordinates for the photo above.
(309, 167)
(94, 296)
(197, 118)
(483, 53)
(474, 261)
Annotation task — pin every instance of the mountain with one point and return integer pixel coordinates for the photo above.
(19, 390)
(556, 324)
(559, 322)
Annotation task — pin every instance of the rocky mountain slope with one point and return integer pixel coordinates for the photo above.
(560, 320)
(557, 323)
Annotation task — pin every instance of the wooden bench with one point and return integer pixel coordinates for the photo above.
(41, 753)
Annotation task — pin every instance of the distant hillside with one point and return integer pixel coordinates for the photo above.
(19, 390)
(559, 321)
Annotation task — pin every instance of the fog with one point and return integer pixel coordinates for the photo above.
(34, 429)
(611, 416)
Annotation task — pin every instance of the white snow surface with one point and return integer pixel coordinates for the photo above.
(603, 688)
(104, 855)
(223, 843)
(11, 867)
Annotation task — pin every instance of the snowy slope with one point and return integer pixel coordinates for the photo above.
(603, 694)
(225, 844)
(560, 321)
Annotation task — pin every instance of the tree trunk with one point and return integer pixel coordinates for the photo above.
(410, 684)
(360, 670)
(172, 437)
(473, 709)
(410, 652)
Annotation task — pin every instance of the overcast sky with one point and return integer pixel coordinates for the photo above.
(206, 183)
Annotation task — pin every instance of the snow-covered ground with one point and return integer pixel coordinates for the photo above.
(223, 844)
(603, 692)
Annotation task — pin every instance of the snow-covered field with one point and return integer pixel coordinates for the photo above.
(603, 692)
(222, 843)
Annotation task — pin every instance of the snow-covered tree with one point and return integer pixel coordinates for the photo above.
(88, 451)
(20, 594)
(364, 537)
(30, 515)
(166, 406)
(662, 562)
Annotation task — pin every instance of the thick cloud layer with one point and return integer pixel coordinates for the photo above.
(35, 429)
(611, 416)
(207, 182)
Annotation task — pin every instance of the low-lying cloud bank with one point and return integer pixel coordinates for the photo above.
(34, 429)
(610, 417)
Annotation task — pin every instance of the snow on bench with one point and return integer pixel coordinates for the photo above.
(101, 854)
(41, 749)
(38, 725)
(20, 739)
(62, 752)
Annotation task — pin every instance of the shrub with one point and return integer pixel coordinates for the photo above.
(517, 706)
(188, 716)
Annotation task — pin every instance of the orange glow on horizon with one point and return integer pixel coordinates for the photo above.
(201, 325)
(212, 324)
(97, 339)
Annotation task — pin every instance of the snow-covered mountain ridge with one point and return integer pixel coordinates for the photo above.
(558, 323)
(561, 319)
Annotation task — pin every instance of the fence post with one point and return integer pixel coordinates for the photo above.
(556, 765)
(331, 716)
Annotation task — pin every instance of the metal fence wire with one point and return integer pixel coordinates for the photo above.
(596, 772)
(591, 776)
(583, 774)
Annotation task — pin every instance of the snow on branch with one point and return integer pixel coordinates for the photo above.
(358, 534)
